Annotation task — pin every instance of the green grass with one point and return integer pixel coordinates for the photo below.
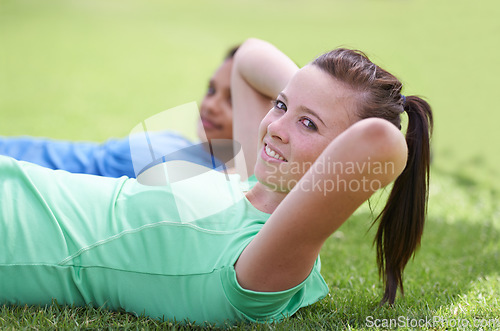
(90, 70)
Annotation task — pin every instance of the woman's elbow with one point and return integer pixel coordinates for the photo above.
(386, 143)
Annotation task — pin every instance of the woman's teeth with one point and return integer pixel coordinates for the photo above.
(273, 154)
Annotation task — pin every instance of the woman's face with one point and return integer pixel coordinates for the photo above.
(308, 114)
(216, 111)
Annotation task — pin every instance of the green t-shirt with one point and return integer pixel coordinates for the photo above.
(162, 251)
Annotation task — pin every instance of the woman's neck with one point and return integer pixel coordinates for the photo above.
(264, 198)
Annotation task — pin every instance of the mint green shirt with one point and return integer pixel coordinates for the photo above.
(162, 251)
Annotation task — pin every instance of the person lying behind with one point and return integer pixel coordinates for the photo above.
(113, 157)
(198, 250)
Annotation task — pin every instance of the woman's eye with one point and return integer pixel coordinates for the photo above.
(210, 90)
(309, 124)
(279, 105)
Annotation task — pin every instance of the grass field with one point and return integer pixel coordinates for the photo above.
(90, 70)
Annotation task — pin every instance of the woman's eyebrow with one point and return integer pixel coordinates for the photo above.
(281, 94)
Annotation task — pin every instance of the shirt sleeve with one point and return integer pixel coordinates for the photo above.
(110, 159)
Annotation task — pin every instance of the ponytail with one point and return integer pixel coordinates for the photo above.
(402, 219)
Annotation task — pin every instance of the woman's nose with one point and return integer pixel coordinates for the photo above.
(211, 104)
(279, 128)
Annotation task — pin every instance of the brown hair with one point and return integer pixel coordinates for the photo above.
(401, 222)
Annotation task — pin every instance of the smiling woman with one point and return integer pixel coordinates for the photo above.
(310, 112)
(202, 250)
(340, 109)
(216, 113)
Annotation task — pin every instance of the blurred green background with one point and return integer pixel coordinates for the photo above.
(93, 69)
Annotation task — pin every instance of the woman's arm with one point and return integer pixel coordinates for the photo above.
(260, 73)
(284, 251)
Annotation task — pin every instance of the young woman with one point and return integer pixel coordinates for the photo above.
(113, 157)
(198, 249)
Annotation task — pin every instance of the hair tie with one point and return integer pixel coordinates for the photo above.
(403, 98)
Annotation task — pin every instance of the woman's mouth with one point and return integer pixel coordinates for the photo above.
(209, 125)
(272, 153)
